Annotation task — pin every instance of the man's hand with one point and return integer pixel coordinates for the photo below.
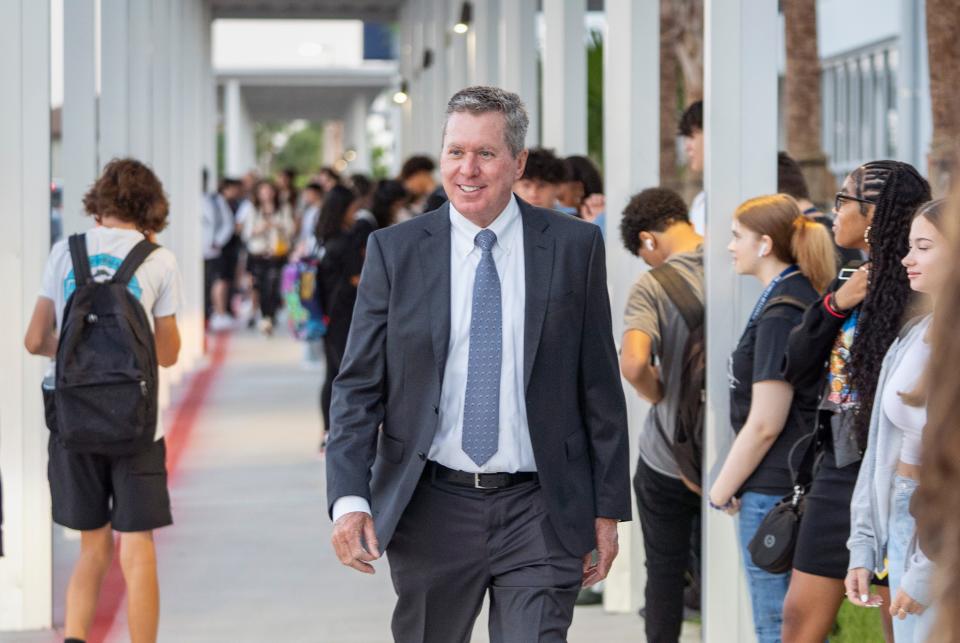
(349, 533)
(607, 548)
(902, 605)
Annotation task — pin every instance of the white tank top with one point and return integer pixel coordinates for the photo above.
(904, 379)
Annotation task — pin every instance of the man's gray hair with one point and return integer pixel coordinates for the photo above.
(481, 99)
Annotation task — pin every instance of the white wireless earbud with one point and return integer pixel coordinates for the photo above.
(649, 244)
(763, 250)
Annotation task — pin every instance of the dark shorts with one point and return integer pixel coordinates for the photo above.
(90, 490)
(825, 528)
(213, 270)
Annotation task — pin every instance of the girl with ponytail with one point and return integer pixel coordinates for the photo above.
(839, 350)
(795, 260)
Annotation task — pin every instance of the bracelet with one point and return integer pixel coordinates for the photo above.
(720, 507)
(828, 304)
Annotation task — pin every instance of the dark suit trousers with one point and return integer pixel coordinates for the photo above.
(454, 544)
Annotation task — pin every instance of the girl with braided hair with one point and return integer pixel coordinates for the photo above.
(839, 347)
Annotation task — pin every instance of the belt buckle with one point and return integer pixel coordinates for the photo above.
(476, 482)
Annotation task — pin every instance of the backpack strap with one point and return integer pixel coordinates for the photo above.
(681, 294)
(80, 259)
(132, 261)
(783, 300)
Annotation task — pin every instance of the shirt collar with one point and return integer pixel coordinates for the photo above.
(464, 230)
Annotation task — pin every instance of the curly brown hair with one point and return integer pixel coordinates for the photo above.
(129, 190)
(936, 503)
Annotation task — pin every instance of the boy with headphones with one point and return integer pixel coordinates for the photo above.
(657, 228)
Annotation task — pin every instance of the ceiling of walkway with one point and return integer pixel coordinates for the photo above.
(371, 10)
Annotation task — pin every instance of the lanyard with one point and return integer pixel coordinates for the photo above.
(769, 291)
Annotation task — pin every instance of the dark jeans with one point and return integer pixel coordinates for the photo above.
(267, 272)
(667, 511)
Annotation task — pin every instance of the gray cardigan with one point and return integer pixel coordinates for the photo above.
(870, 507)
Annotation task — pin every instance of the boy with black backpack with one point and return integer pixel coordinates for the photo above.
(107, 314)
(662, 356)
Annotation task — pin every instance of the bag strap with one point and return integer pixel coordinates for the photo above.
(804, 475)
(80, 259)
(783, 300)
(132, 261)
(681, 294)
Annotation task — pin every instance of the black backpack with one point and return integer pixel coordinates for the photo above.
(105, 400)
(687, 443)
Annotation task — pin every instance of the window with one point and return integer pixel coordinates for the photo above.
(860, 106)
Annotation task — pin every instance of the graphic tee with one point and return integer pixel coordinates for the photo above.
(156, 283)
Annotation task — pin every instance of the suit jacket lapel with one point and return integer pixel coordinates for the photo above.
(435, 264)
(538, 248)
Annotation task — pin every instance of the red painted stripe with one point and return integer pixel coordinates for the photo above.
(177, 437)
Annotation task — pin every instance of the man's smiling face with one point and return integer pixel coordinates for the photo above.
(476, 165)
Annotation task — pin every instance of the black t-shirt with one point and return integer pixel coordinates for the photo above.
(759, 358)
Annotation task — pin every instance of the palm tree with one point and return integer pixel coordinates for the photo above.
(669, 98)
(802, 100)
(943, 43)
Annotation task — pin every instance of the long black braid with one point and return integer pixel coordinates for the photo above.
(897, 190)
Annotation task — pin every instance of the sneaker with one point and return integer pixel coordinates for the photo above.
(220, 323)
(265, 326)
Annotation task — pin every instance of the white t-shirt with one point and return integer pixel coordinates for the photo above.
(698, 212)
(156, 283)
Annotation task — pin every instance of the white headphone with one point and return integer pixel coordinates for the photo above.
(763, 250)
(649, 244)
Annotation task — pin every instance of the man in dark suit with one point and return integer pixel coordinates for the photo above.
(479, 430)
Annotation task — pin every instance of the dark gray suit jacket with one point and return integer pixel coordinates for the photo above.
(397, 351)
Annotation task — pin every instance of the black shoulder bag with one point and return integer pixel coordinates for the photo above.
(771, 548)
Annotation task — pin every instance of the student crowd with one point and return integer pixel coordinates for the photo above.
(829, 382)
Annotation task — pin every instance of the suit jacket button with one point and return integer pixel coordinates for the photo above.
(436, 410)
(421, 455)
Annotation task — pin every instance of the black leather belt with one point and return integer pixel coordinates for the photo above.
(478, 480)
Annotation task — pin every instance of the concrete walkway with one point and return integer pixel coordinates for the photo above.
(249, 558)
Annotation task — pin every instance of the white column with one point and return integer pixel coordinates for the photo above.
(356, 133)
(210, 109)
(437, 31)
(740, 123)
(565, 77)
(456, 59)
(404, 121)
(240, 144)
(114, 111)
(161, 67)
(26, 570)
(332, 142)
(193, 72)
(421, 77)
(140, 81)
(483, 44)
(79, 110)
(632, 162)
(518, 59)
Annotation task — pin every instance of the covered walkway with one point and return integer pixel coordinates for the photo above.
(248, 558)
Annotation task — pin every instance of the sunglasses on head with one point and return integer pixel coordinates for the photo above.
(841, 197)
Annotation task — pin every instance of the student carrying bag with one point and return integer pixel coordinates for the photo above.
(687, 442)
(105, 398)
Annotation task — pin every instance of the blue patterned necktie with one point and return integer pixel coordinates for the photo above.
(481, 407)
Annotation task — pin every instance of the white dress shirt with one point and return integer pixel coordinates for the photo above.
(515, 451)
